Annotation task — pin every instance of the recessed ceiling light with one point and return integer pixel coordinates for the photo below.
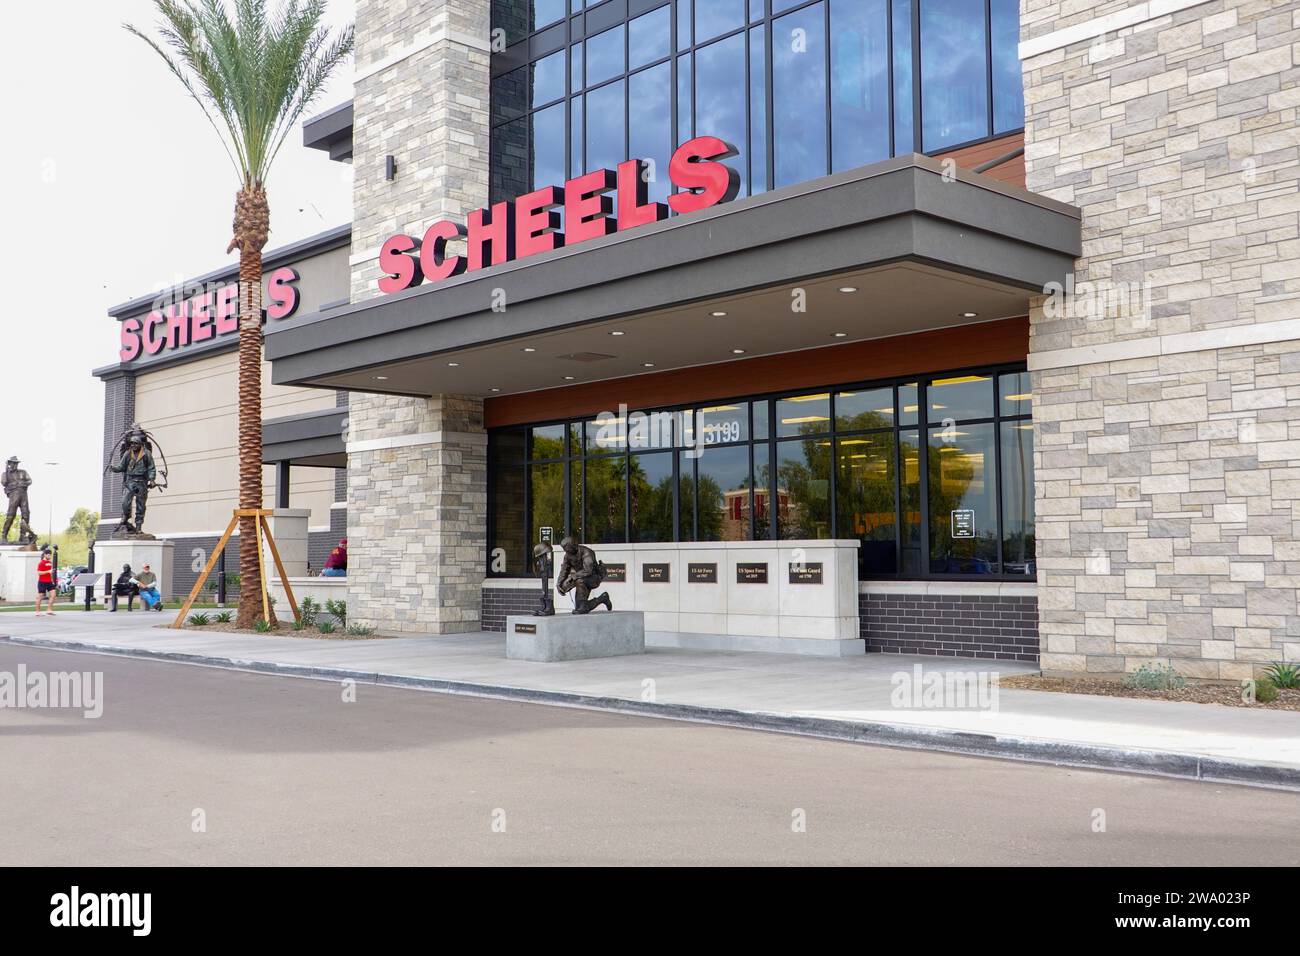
(529, 348)
(453, 365)
(737, 351)
(718, 315)
(848, 289)
(568, 378)
(969, 315)
(495, 389)
(381, 378)
(618, 333)
(839, 335)
(647, 364)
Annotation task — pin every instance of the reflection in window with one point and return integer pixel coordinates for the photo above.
(960, 398)
(720, 75)
(909, 467)
(803, 471)
(650, 110)
(799, 95)
(963, 500)
(724, 494)
(865, 499)
(1015, 394)
(548, 442)
(803, 415)
(757, 111)
(549, 146)
(509, 518)
(954, 71)
(650, 487)
(864, 409)
(685, 496)
(548, 79)
(716, 17)
(1008, 85)
(649, 38)
(605, 56)
(606, 500)
(904, 142)
(1018, 498)
(859, 83)
(546, 490)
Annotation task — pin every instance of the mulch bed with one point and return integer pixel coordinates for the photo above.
(1229, 695)
(286, 630)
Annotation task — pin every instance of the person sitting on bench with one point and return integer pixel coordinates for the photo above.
(147, 582)
(125, 587)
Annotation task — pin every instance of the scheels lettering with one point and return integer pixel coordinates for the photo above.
(208, 315)
(531, 223)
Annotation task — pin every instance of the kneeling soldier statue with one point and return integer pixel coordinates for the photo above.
(580, 572)
(16, 483)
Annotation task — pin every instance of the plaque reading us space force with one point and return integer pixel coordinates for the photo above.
(616, 573)
(751, 573)
(810, 572)
(656, 573)
(702, 573)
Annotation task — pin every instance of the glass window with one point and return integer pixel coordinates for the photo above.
(606, 500)
(649, 38)
(575, 68)
(764, 489)
(546, 12)
(756, 10)
(803, 415)
(1015, 394)
(684, 19)
(651, 125)
(724, 424)
(909, 479)
(1008, 84)
(685, 108)
(1018, 499)
(799, 96)
(864, 409)
(686, 496)
(605, 436)
(548, 79)
(509, 96)
(963, 500)
(546, 496)
(547, 442)
(724, 494)
(865, 500)
(757, 111)
(605, 56)
(909, 404)
(577, 513)
(954, 73)
(576, 139)
(803, 471)
(720, 74)
(859, 83)
(650, 487)
(716, 17)
(508, 552)
(761, 415)
(548, 147)
(605, 132)
(903, 127)
(960, 398)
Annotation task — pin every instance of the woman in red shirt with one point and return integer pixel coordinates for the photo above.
(45, 582)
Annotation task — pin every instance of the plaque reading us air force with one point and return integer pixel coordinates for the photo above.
(702, 573)
(525, 628)
(656, 573)
(616, 573)
(751, 573)
(810, 572)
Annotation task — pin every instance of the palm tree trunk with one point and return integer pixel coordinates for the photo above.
(251, 227)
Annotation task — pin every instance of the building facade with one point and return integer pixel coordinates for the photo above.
(981, 309)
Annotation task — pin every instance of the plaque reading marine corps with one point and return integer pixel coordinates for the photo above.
(809, 572)
(702, 573)
(616, 573)
(656, 573)
(751, 573)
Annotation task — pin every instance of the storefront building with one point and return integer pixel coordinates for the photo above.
(815, 312)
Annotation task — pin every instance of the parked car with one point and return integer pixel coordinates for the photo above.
(68, 575)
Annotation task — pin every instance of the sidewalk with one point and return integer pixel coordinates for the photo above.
(846, 698)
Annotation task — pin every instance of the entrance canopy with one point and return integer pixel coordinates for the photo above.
(893, 248)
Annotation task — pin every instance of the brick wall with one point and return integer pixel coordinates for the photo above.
(996, 627)
(498, 603)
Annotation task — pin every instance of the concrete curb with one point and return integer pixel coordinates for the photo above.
(1003, 747)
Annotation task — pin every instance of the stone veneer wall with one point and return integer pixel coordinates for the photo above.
(417, 470)
(1168, 450)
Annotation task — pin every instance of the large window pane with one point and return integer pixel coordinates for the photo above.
(859, 82)
(548, 79)
(509, 96)
(724, 494)
(766, 495)
(649, 38)
(605, 56)
(716, 17)
(960, 397)
(508, 547)
(803, 415)
(547, 442)
(904, 131)
(720, 107)
(546, 12)
(548, 147)
(684, 19)
(651, 489)
(1018, 498)
(651, 124)
(864, 409)
(757, 111)
(865, 500)
(546, 484)
(803, 471)
(605, 436)
(954, 73)
(1008, 86)
(605, 120)
(686, 497)
(1015, 394)
(510, 166)
(606, 500)
(909, 464)
(685, 100)
(799, 95)
(963, 500)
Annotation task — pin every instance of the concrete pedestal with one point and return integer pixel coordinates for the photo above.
(575, 637)
(18, 574)
(111, 555)
(289, 529)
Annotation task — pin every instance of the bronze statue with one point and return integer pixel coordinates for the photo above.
(16, 483)
(140, 475)
(580, 572)
(544, 565)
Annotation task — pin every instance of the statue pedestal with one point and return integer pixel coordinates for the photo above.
(112, 553)
(575, 637)
(18, 573)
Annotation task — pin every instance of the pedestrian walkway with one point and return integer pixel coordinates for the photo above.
(853, 698)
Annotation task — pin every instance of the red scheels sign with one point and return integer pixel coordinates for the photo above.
(530, 224)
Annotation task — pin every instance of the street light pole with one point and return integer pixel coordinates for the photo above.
(54, 548)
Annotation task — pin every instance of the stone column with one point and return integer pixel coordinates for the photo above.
(417, 468)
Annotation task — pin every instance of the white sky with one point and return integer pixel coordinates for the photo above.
(112, 185)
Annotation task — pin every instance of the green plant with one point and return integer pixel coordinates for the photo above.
(326, 627)
(1284, 675)
(1265, 691)
(308, 611)
(360, 630)
(262, 626)
(199, 620)
(300, 625)
(1155, 677)
(224, 617)
(340, 611)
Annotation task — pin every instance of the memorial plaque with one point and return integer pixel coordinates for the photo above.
(751, 573)
(656, 573)
(810, 572)
(963, 523)
(525, 628)
(702, 573)
(616, 573)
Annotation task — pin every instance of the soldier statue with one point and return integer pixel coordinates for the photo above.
(580, 572)
(139, 474)
(545, 565)
(16, 483)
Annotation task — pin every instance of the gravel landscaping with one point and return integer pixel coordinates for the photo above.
(1229, 695)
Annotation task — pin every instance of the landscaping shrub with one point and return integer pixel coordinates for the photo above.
(199, 620)
(1265, 691)
(340, 611)
(1284, 675)
(360, 630)
(1155, 677)
(224, 617)
(308, 611)
(326, 627)
(262, 626)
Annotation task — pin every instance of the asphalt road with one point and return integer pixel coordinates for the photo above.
(190, 765)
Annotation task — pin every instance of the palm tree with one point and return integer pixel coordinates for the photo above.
(253, 78)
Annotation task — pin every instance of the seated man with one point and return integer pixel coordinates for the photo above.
(126, 587)
(336, 565)
(147, 583)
